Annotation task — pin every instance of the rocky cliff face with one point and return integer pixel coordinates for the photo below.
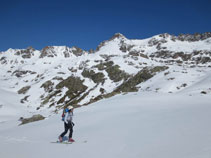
(58, 75)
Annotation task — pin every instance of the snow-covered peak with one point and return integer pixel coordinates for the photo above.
(118, 36)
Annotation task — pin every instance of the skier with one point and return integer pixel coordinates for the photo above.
(68, 124)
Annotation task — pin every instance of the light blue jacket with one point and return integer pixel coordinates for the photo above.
(68, 117)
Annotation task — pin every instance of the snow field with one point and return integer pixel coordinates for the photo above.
(133, 125)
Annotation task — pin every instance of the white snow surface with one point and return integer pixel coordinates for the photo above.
(128, 126)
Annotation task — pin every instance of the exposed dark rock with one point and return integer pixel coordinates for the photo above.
(91, 51)
(31, 119)
(26, 53)
(57, 78)
(100, 45)
(3, 60)
(72, 83)
(48, 86)
(166, 73)
(118, 36)
(196, 52)
(162, 54)
(96, 77)
(47, 99)
(125, 47)
(130, 84)
(82, 65)
(103, 66)
(165, 35)
(102, 90)
(203, 92)
(188, 37)
(75, 88)
(194, 57)
(153, 42)
(48, 52)
(77, 51)
(67, 52)
(184, 85)
(205, 60)
(184, 56)
(171, 78)
(134, 53)
(25, 99)
(24, 90)
(141, 76)
(194, 37)
(62, 73)
(21, 73)
(72, 69)
(116, 74)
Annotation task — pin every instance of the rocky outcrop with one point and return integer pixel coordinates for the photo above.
(116, 74)
(75, 88)
(130, 85)
(194, 37)
(141, 76)
(96, 77)
(26, 53)
(48, 52)
(114, 71)
(34, 118)
(117, 36)
(21, 73)
(187, 37)
(196, 57)
(3, 60)
(48, 86)
(77, 51)
(154, 41)
(24, 90)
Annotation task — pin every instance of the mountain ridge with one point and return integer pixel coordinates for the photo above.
(50, 78)
(182, 37)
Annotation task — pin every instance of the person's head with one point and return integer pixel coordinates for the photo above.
(70, 108)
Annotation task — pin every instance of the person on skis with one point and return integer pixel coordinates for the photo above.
(68, 124)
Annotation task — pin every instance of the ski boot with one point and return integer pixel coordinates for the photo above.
(71, 140)
(60, 139)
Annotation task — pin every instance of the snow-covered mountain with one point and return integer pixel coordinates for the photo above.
(147, 98)
(46, 80)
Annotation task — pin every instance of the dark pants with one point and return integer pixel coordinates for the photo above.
(67, 127)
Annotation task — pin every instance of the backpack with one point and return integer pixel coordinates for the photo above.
(63, 114)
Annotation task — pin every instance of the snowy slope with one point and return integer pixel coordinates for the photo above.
(134, 125)
(180, 79)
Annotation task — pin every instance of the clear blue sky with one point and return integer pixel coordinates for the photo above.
(86, 23)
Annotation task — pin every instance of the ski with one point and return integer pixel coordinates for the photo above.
(58, 142)
(65, 142)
